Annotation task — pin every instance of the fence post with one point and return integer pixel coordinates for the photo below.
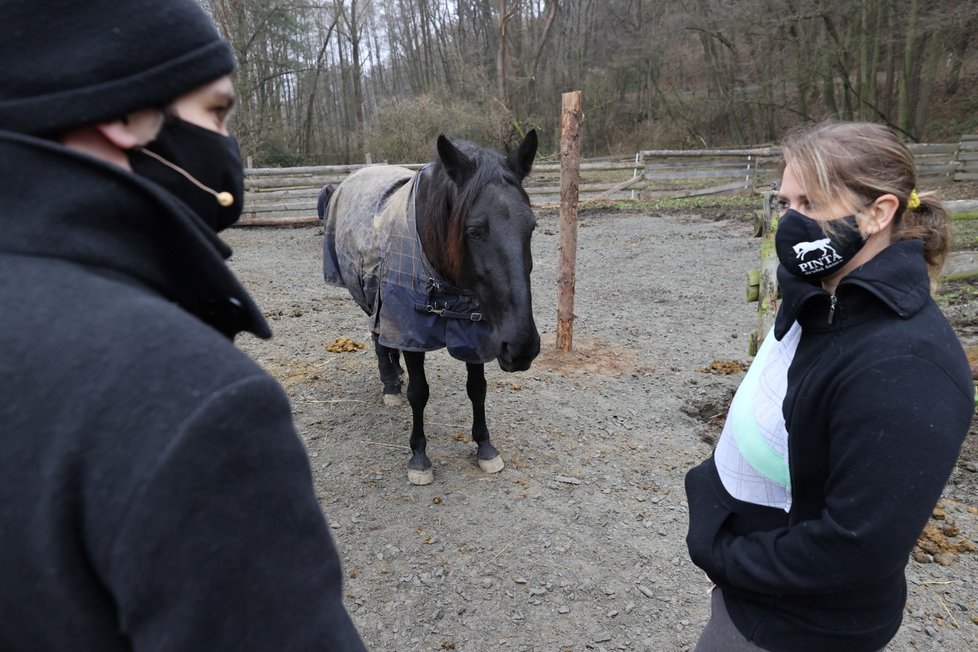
(768, 292)
(639, 162)
(570, 179)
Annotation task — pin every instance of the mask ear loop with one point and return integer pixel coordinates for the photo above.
(224, 198)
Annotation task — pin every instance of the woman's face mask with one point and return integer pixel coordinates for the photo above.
(808, 252)
(213, 183)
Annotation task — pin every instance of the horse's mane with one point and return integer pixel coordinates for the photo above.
(444, 206)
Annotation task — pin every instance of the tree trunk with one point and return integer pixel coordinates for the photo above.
(908, 85)
(960, 51)
(313, 92)
(535, 64)
(868, 58)
(356, 70)
(937, 46)
(506, 13)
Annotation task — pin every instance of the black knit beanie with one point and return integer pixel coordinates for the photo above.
(71, 63)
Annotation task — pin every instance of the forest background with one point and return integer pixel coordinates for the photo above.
(333, 81)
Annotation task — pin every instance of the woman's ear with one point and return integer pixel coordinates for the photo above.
(880, 214)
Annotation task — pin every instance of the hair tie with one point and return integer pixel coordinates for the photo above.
(913, 201)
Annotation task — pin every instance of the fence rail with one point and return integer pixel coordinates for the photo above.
(288, 195)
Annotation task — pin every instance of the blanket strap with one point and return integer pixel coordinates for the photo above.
(442, 310)
(454, 298)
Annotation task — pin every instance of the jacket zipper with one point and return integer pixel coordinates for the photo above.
(833, 301)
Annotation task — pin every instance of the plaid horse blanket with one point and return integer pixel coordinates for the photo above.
(372, 248)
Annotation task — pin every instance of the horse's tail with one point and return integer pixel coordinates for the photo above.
(323, 201)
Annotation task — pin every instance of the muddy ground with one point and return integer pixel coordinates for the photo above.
(578, 544)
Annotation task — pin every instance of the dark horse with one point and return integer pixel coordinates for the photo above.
(439, 258)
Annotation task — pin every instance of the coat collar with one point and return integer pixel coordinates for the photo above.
(55, 202)
(896, 277)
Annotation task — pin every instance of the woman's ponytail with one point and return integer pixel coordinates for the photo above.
(929, 223)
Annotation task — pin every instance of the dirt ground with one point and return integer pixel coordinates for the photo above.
(578, 544)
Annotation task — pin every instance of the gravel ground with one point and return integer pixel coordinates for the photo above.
(579, 543)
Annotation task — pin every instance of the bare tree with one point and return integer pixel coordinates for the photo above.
(315, 75)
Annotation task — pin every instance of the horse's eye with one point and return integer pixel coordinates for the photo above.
(473, 232)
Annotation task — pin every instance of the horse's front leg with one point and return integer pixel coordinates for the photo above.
(475, 386)
(419, 468)
(388, 362)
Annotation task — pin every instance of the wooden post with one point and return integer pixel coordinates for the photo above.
(570, 180)
(769, 294)
(639, 163)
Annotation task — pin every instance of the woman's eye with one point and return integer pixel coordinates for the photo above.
(782, 206)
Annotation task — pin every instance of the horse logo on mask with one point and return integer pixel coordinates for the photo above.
(824, 245)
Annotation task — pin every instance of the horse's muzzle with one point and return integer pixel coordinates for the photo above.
(517, 355)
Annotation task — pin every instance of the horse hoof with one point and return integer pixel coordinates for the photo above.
(495, 465)
(419, 478)
(393, 400)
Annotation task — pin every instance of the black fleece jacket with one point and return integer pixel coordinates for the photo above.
(153, 492)
(879, 400)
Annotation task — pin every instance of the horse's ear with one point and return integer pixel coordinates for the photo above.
(522, 159)
(458, 166)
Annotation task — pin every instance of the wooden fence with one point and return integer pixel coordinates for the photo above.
(288, 195)
(967, 159)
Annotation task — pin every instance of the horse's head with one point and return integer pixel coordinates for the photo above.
(487, 227)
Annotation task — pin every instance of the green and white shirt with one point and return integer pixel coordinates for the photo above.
(752, 455)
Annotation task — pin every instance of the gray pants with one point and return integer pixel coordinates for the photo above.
(720, 634)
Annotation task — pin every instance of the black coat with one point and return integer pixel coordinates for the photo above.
(878, 402)
(154, 494)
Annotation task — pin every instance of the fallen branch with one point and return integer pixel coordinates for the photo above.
(276, 221)
(504, 549)
(380, 443)
(624, 185)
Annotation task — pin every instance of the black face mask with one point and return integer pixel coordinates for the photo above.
(808, 252)
(211, 159)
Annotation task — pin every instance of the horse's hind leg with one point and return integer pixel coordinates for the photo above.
(475, 386)
(419, 468)
(389, 363)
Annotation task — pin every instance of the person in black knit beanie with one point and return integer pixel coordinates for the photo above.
(154, 493)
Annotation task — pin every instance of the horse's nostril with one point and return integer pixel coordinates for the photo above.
(504, 350)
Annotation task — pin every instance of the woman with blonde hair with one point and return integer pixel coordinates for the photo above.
(848, 423)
